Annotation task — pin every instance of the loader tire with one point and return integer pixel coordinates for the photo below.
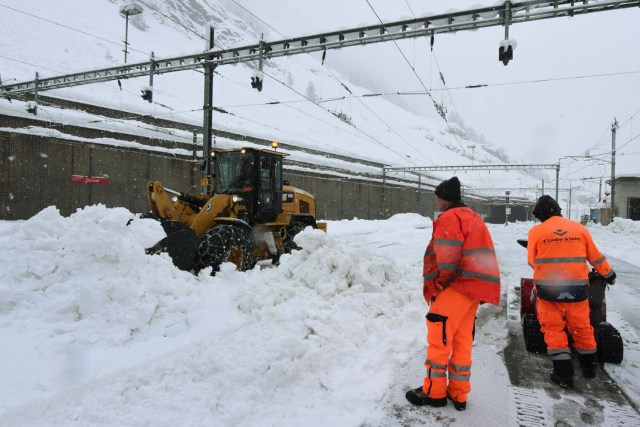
(288, 243)
(610, 348)
(533, 336)
(225, 243)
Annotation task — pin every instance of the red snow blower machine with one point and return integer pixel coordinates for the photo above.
(608, 339)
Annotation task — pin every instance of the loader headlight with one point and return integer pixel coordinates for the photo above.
(237, 199)
(174, 199)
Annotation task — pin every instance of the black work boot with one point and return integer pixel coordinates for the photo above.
(417, 397)
(562, 373)
(460, 406)
(589, 364)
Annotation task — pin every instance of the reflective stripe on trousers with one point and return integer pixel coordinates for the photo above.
(554, 317)
(450, 325)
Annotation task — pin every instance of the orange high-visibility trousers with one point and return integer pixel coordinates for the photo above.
(555, 316)
(450, 329)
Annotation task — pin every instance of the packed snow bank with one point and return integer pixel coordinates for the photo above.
(620, 238)
(83, 303)
(99, 333)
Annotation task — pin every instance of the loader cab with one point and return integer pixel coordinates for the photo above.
(255, 176)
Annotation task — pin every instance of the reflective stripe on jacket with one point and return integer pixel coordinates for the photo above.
(558, 250)
(461, 254)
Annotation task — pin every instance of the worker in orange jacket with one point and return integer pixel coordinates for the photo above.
(558, 251)
(460, 272)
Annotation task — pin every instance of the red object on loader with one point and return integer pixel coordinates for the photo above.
(608, 339)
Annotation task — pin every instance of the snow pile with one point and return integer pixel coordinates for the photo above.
(83, 303)
(101, 334)
(620, 238)
(69, 280)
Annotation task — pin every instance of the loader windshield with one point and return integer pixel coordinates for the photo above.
(235, 172)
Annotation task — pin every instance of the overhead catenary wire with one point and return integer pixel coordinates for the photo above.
(98, 37)
(315, 102)
(310, 100)
(604, 140)
(367, 135)
(418, 77)
(102, 83)
(280, 82)
(402, 54)
(172, 19)
(441, 76)
(420, 93)
(68, 27)
(29, 64)
(124, 90)
(338, 80)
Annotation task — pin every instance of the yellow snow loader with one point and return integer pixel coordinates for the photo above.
(251, 214)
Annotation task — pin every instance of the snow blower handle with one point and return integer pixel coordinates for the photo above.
(594, 276)
(611, 280)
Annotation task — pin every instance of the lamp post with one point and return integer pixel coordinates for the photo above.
(126, 11)
(473, 149)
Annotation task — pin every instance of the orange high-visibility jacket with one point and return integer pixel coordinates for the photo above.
(558, 250)
(461, 255)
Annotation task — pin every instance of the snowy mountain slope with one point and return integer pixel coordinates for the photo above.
(381, 130)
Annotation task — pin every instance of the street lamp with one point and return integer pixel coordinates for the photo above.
(126, 11)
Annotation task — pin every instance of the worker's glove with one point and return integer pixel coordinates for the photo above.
(611, 279)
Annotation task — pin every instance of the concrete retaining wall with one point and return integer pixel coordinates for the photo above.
(35, 173)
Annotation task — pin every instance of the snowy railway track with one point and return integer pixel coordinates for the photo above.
(541, 403)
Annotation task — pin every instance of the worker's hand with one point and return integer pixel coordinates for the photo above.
(441, 286)
(611, 279)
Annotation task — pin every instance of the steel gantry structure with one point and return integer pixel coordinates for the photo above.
(507, 14)
(498, 15)
(555, 166)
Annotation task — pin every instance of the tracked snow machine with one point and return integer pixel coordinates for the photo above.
(251, 214)
(608, 339)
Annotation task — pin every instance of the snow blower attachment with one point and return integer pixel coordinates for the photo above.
(252, 214)
(608, 339)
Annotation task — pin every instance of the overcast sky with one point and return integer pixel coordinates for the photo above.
(535, 122)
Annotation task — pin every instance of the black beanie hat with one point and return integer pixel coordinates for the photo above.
(546, 207)
(449, 190)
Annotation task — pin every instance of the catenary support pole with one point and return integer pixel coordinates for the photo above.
(384, 183)
(614, 128)
(557, 180)
(35, 95)
(600, 191)
(194, 162)
(208, 115)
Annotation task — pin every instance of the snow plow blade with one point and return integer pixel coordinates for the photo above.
(181, 245)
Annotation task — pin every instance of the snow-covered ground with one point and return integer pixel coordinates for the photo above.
(95, 332)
